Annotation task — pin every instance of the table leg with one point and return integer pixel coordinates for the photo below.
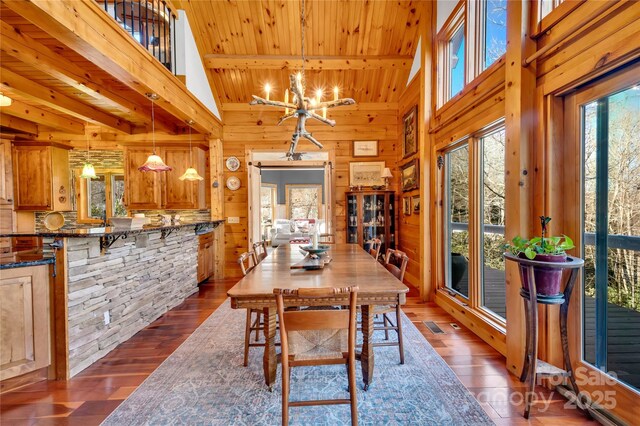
(532, 334)
(270, 362)
(366, 357)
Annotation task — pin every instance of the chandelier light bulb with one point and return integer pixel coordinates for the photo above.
(267, 89)
(335, 93)
(319, 95)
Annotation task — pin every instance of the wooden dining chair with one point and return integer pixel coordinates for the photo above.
(248, 261)
(396, 262)
(318, 337)
(327, 239)
(260, 251)
(374, 248)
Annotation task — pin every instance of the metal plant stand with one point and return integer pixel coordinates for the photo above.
(533, 367)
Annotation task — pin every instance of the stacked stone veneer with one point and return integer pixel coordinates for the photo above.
(135, 285)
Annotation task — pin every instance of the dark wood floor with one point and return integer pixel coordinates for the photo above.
(90, 396)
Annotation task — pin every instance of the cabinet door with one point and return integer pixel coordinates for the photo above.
(179, 194)
(202, 263)
(24, 325)
(142, 189)
(32, 177)
(6, 175)
(210, 262)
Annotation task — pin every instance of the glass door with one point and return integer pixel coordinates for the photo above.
(373, 225)
(352, 219)
(610, 126)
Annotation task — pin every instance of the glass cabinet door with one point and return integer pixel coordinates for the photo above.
(392, 221)
(373, 219)
(352, 219)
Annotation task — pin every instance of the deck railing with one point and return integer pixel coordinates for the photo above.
(150, 22)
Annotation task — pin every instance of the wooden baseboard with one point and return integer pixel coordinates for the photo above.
(24, 380)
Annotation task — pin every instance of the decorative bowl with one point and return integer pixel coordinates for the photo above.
(53, 221)
(311, 250)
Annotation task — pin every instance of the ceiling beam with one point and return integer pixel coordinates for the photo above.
(365, 106)
(18, 124)
(269, 62)
(34, 92)
(35, 54)
(83, 26)
(45, 118)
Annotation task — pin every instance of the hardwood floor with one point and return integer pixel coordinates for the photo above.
(88, 398)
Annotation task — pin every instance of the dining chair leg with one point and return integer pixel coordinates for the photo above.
(286, 380)
(247, 336)
(352, 393)
(386, 323)
(399, 326)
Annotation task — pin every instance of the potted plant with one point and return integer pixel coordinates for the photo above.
(542, 249)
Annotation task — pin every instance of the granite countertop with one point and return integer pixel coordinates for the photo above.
(200, 227)
(23, 258)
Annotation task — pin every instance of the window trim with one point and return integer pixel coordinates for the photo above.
(82, 194)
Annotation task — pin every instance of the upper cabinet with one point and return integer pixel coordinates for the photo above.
(149, 190)
(6, 176)
(41, 177)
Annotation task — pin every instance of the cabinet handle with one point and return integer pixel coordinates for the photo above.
(9, 200)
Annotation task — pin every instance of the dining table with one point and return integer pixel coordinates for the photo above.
(350, 265)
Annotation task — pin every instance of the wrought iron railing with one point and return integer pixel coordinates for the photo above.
(151, 23)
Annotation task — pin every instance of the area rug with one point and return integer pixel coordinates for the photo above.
(204, 383)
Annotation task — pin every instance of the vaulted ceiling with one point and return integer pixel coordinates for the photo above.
(365, 47)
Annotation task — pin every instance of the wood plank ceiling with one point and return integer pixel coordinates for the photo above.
(365, 47)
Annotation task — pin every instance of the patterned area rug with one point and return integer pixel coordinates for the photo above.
(204, 382)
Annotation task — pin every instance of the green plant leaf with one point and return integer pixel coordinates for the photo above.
(535, 240)
(530, 253)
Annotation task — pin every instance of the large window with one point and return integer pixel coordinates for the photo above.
(268, 202)
(610, 126)
(304, 201)
(474, 221)
(101, 198)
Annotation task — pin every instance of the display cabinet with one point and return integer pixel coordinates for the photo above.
(371, 214)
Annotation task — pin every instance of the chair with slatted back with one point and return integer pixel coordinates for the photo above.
(396, 262)
(248, 261)
(318, 337)
(260, 251)
(327, 239)
(374, 247)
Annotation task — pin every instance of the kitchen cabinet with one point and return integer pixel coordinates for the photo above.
(149, 190)
(41, 177)
(6, 175)
(205, 256)
(25, 339)
(371, 214)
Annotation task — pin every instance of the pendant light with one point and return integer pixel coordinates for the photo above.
(88, 171)
(5, 101)
(190, 174)
(154, 163)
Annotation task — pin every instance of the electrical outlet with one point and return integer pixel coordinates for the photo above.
(454, 326)
(233, 220)
(107, 318)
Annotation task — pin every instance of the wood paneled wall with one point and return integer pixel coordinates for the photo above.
(409, 226)
(255, 128)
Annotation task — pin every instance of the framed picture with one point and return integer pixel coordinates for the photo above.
(406, 206)
(366, 173)
(415, 202)
(410, 175)
(410, 132)
(365, 148)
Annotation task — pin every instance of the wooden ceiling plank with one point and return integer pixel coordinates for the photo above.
(83, 26)
(39, 116)
(270, 62)
(15, 83)
(33, 53)
(18, 124)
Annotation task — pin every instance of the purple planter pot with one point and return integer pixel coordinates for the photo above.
(548, 281)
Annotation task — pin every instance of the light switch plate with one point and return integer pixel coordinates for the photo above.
(233, 220)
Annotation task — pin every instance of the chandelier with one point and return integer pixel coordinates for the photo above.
(302, 107)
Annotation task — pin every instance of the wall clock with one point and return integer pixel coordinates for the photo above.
(233, 163)
(233, 183)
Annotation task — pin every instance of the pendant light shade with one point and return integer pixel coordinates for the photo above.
(154, 163)
(5, 101)
(88, 172)
(191, 173)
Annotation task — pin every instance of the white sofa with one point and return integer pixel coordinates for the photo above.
(284, 230)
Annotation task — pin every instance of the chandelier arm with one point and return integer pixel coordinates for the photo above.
(313, 140)
(331, 123)
(286, 117)
(294, 143)
(257, 100)
(333, 104)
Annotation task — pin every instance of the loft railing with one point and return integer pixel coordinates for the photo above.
(150, 22)
(624, 242)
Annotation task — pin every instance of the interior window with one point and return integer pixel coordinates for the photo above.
(101, 198)
(495, 31)
(456, 62)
